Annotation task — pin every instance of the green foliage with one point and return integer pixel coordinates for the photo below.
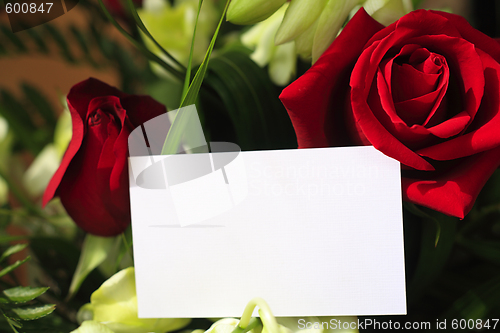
(34, 312)
(94, 251)
(250, 101)
(31, 117)
(190, 95)
(18, 303)
(416, 3)
(24, 294)
(76, 45)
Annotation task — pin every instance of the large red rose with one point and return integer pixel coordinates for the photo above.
(424, 91)
(92, 180)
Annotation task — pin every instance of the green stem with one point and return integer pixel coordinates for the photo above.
(266, 316)
(143, 28)
(141, 47)
(187, 79)
(127, 246)
(9, 321)
(254, 322)
(173, 138)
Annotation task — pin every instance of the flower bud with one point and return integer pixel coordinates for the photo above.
(5, 147)
(329, 23)
(252, 11)
(301, 15)
(114, 304)
(281, 59)
(387, 11)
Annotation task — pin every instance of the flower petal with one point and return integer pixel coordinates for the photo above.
(454, 193)
(308, 99)
(300, 15)
(329, 24)
(483, 133)
(251, 11)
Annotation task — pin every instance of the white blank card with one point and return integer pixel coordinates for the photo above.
(314, 232)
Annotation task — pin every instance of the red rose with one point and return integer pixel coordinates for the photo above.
(120, 7)
(424, 91)
(92, 180)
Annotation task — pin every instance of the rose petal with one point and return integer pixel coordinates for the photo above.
(464, 60)
(308, 99)
(84, 190)
(411, 83)
(149, 108)
(362, 74)
(92, 180)
(82, 93)
(479, 39)
(383, 108)
(73, 147)
(484, 131)
(454, 193)
(417, 23)
(78, 99)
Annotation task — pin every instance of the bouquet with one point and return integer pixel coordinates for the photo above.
(418, 83)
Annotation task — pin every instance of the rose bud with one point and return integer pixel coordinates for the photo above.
(120, 7)
(92, 180)
(424, 91)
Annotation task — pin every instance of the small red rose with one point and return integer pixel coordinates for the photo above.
(92, 180)
(119, 7)
(424, 91)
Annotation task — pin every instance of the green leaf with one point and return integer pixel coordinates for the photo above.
(12, 267)
(41, 104)
(83, 43)
(187, 79)
(13, 249)
(250, 101)
(476, 303)
(60, 41)
(19, 121)
(60, 258)
(38, 40)
(432, 258)
(14, 39)
(94, 251)
(486, 250)
(143, 28)
(14, 323)
(35, 312)
(173, 139)
(8, 239)
(139, 46)
(24, 294)
(103, 43)
(17, 109)
(417, 211)
(490, 195)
